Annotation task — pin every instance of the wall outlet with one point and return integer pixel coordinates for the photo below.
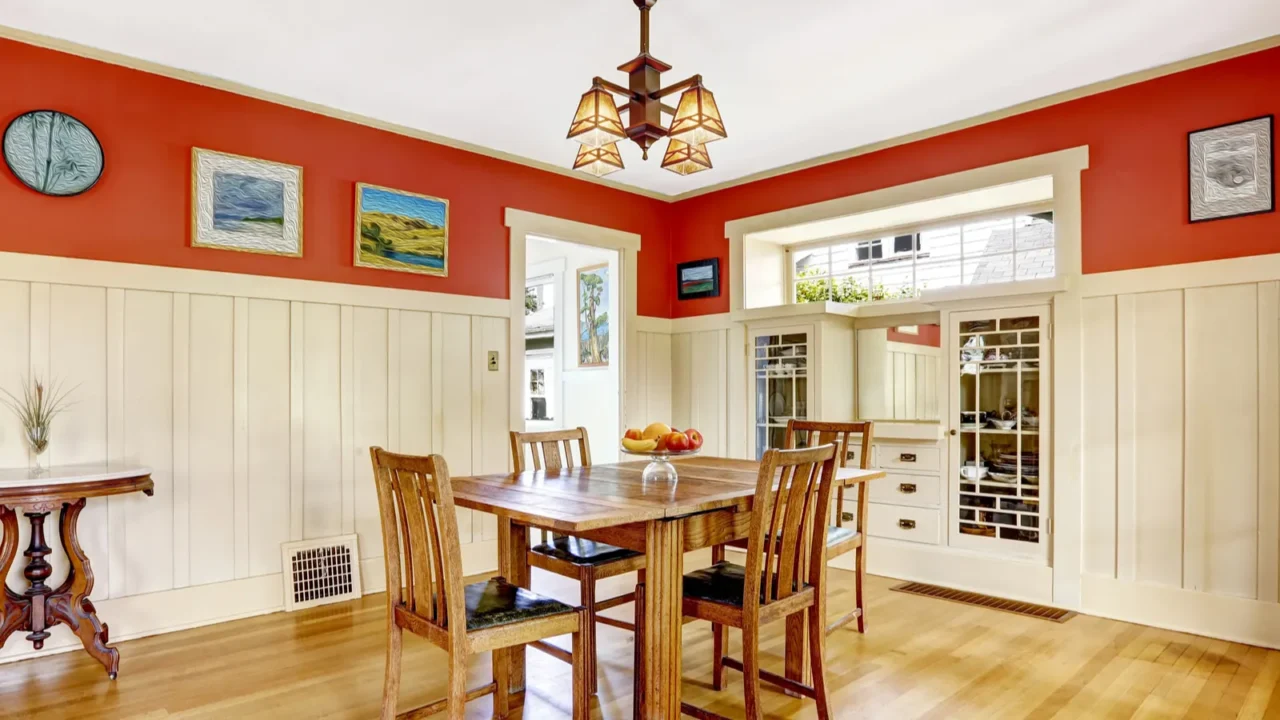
(493, 361)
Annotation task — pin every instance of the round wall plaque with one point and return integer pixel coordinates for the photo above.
(53, 153)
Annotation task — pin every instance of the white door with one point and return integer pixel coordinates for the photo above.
(1000, 431)
(781, 388)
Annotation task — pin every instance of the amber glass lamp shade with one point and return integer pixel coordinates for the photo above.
(597, 122)
(697, 120)
(685, 159)
(598, 161)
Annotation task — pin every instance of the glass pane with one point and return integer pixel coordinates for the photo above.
(1033, 231)
(781, 401)
(938, 275)
(844, 258)
(987, 270)
(811, 262)
(802, 395)
(940, 244)
(813, 289)
(1036, 264)
(794, 339)
(762, 441)
(973, 326)
(777, 437)
(893, 279)
(1020, 323)
(763, 340)
(988, 237)
(852, 288)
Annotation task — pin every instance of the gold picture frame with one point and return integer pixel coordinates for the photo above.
(253, 195)
(419, 222)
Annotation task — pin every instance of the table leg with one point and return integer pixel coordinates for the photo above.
(70, 604)
(663, 621)
(37, 571)
(16, 610)
(513, 564)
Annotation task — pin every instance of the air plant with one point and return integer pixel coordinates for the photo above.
(36, 408)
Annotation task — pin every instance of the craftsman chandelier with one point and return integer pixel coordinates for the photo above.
(598, 123)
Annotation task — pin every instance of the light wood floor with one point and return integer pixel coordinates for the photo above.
(922, 658)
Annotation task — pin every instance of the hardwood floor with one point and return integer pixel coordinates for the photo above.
(923, 658)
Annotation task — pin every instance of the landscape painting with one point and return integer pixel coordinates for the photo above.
(246, 204)
(698, 279)
(397, 230)
(593, 316)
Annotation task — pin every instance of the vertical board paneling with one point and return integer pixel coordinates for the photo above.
(414, 396)
(1150, 426)
(347, 350)
(637, 393)
(1269, 441)
(268, 433)
(15, 363)
(490, 446)
(240, 350)
(77, 362)
(657, 366)
(297, 416)
(322, 430)
(451, 399)
(707, 392)
(181, 440)
(1222, 440)
(148, 437)
(369, 376)
(682, 379)
(212, 445)
(1099, 375)
(116, 506)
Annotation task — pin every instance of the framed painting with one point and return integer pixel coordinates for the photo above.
(593, 316)
(698, 279)
(1232, 170)
(398, 230)
(245, 204)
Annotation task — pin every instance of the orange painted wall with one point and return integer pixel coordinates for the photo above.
(927, 335)
(1134, 194)
(140, 210)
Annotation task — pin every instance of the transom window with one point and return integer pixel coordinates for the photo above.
(979, 251)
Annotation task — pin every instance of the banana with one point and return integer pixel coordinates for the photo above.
(639, 446)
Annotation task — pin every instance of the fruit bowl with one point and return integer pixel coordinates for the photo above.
(659, 442)
(660, 468)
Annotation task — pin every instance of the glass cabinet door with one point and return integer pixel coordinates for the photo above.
(1000, 406)
(780, 374)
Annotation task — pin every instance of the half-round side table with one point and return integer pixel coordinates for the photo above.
(64, 488)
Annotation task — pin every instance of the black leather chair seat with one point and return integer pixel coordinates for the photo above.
(582, 552)
(724, 582)
(498, 602)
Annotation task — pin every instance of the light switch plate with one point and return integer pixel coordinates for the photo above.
(493, 361)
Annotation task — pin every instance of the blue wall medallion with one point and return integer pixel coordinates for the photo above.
(53, 153)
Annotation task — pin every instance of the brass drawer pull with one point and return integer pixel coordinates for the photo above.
(907, 457)
(907, 488)
(907, 524)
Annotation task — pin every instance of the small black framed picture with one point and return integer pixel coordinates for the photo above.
(698, 279)
(1232, 170)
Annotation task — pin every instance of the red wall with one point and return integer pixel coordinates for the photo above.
(1134, 193)
(929, 335)
(140, 210)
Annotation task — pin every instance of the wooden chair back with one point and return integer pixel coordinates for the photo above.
(788, 528)
(419, 525)
(552, 450)
(840, 434)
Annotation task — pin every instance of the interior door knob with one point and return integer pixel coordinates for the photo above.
(953, 431)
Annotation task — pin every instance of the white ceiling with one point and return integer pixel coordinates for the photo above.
(794, 80)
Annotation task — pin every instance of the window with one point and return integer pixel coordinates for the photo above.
(981, 251)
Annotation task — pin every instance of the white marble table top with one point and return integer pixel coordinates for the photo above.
(69, 474)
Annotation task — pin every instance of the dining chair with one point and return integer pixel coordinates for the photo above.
(785, 576)
(576, 558)
(841, 539)
(420, 530)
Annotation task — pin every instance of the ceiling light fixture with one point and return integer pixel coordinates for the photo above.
(597, 125)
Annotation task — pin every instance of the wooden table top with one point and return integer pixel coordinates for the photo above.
(577, 499)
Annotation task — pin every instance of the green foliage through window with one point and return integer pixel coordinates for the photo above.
(813, 286)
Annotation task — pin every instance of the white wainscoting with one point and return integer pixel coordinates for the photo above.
(700, 385)
(255, 411)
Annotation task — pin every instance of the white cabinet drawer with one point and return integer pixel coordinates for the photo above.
(902, 489)
(900, 522)
(909, 457)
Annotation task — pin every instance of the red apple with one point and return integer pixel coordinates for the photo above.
(695, 439)
(634, 434)
(678, 442)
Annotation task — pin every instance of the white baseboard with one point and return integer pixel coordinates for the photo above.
(191, 607)
(1218, 616)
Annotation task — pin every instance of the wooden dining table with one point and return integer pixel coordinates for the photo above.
(710, 504)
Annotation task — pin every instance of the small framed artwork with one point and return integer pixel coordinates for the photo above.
(698, 279)
(593, 316)
(398, 230)
(246, 204)
(1232, 170)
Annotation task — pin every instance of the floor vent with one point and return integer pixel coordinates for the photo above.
(1016, 607)
(319, 572)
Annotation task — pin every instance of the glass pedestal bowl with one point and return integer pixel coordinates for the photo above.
(660, 469)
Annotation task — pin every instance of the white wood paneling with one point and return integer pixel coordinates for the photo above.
(211, 513)
(1269, 441)
(181, 440)
(452, 400)
(490, 450)
(268, 433)
(412, 380)
(708, 390)
(322, 436)
(1099, 375)
(370, 373)
(656, 397)
(681, 379)
(1221, 483)
(15, 363)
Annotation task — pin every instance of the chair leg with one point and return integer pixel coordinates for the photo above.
(582, 661)
(751, 668)
(861, 578)
(719, 633)
(458, 684)
(502, 681)
(817, 662)
(391, 681)
(717, 554)
(587, 593)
